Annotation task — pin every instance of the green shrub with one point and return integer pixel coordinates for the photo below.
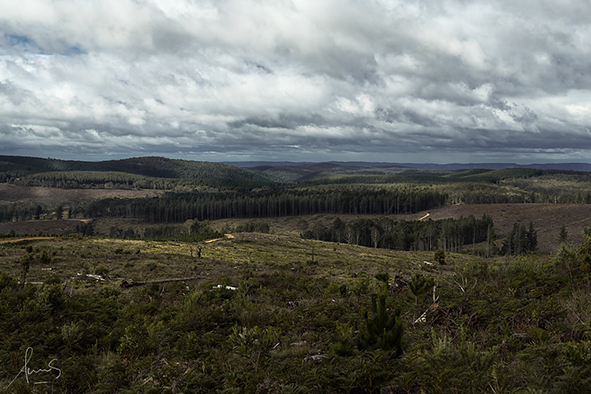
(54, 297)
(344, 345)
(439, 256)
(135, 342)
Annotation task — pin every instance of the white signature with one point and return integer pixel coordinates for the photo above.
(28, 371)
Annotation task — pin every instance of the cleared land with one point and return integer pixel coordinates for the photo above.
(226, 260)
(547, 219)
(11, 193)
(41, 226)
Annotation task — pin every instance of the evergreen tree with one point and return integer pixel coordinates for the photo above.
(491, 237)
(532, 238)
(38, 212)
(563, 234)
(520, 241)
(420, 285)
(381, 329)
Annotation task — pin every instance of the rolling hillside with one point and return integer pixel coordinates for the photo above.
(206, 173)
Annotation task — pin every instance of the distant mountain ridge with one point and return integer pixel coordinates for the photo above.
(583, 167)
(301, 172)
(261, 173)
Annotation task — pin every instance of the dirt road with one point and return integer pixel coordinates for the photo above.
(10, 240)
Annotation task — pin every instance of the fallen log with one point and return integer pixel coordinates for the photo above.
(126, 284)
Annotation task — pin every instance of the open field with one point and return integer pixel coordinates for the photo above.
(275, 313)
(223, 285)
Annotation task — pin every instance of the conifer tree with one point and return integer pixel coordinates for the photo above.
(563, 234)
(491, 237)
(381, 329)
(532, 238)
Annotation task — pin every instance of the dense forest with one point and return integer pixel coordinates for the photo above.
(175, 207)
(97, 179)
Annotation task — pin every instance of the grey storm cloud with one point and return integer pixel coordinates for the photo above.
(382, 80)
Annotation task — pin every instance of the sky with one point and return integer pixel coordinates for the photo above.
(298, 80)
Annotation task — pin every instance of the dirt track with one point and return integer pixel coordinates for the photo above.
(226, 236)
(10, 240)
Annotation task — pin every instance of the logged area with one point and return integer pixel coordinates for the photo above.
(546, 218)
(11, 193)
(159, 275)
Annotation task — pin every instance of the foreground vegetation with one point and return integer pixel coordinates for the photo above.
(263, 313)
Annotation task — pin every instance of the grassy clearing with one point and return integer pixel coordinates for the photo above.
(70, 259)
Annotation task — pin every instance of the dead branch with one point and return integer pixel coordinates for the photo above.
(126, 284)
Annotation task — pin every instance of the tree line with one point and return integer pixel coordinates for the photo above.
(492, 195)
(26, 211)
(179, 207)
(95, 180)
(22, 211)
(448, 234)
(196, 231)
(520, 240)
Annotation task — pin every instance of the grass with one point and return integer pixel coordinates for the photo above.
(291, 294)
(72, 258)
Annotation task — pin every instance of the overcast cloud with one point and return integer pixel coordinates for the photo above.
(302, 80)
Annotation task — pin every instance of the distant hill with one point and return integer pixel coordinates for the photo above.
(586, 167)
(583, 167)
(308, 171)
(214, 174)
(261, 173)
(298, 172)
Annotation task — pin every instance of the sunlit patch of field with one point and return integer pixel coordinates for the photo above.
(226, 260)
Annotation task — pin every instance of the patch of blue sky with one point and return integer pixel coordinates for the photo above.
(23, 43)
(74, 50)
(28, 45)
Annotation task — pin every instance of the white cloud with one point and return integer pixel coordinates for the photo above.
(332, 78)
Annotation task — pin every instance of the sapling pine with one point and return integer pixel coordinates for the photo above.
(382, 328)
(420, 285)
